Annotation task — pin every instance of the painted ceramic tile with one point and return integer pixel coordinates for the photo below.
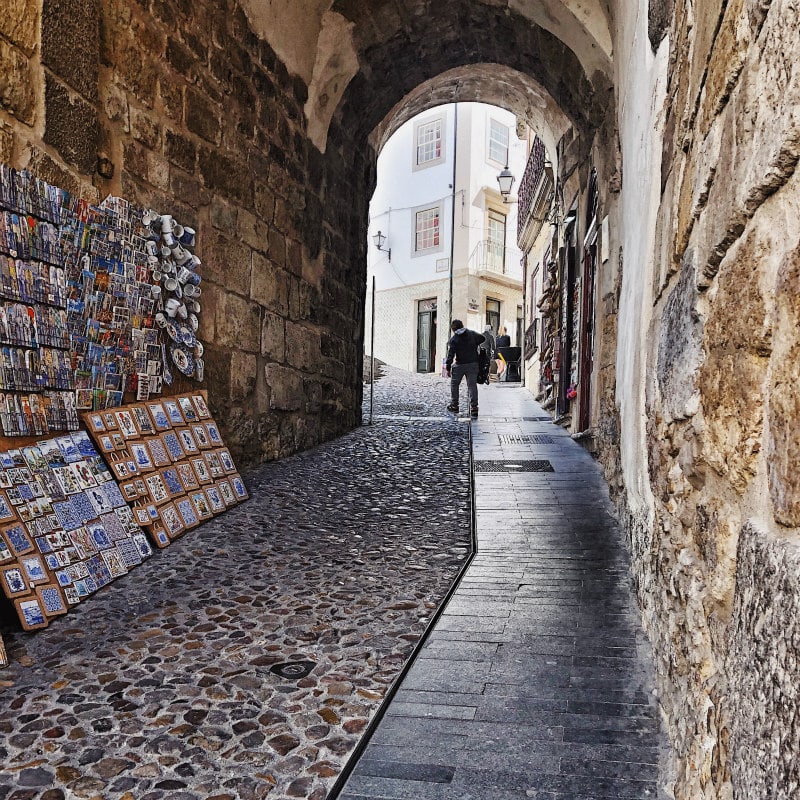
(214, 465)
(129, 552)
(34, 569)
(81, 588)
(14, 582)
(6, 511)
(187, 476)
(161, 537)
(187, 441)
(158, 452)
(214, 435)
(34, 458)
(17, 539)
(31, 614)
(71, 595)
(95, 422)
(174, 412)
(201, 469)
(81, 539)
(126, 424)
(99, 536)
(238, 487)
(63, 577)
(51, 600)
(215, 499)
(113, 527)
(51, 559)
(186, 510)
(155, 486)
(159, 416)
(113, 495)
(226, 461)
(68, 448)
(142, 420)
(83, 473)
(141, 455)
(68, 480)
(173, 445)
(5, 479)
(201, 506)
(6, 554)
(201, 436)
(110, 421)
(226, 490)
(142, 545)
(188, 409)
(114, 562)
(172, 481)
(98, 570)
(142, 515)
(83, 507)
(84, 444)
(200, 404)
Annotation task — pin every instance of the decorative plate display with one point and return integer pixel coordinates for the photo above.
(182, 360)
(186, 334)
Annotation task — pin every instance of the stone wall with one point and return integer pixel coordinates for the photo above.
(187, 110)
(717, 569)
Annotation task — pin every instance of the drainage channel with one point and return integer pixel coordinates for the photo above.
(538, 465)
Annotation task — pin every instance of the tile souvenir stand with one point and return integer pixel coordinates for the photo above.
(171, 462)
(65, 528)
(84, 323)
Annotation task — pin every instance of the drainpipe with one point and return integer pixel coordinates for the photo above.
(453, 217)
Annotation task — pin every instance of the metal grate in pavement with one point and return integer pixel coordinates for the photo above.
(537, 419)
(513, 466)
(527, 438)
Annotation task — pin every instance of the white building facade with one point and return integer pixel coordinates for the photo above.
(448, 237)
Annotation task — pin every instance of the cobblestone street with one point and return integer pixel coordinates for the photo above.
(161, 685)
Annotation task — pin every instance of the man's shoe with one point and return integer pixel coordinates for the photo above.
(474, 412)
(452, 408)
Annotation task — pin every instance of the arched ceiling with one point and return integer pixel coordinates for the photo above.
(483, 83)
(360, 59)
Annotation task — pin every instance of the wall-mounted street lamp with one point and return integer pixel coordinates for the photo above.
(505, 180)
(380, 240)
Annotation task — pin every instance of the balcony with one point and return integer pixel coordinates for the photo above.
(531, 345)
(535, 195)
(494, 257)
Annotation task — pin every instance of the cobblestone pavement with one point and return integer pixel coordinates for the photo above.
(160, 686)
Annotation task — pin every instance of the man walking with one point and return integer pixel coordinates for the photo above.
(463, 349)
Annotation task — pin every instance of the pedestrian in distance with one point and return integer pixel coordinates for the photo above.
(503, 340)
(461, 362)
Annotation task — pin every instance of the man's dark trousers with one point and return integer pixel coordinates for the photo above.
(458, 372)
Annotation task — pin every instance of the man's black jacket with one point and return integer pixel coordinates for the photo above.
(463, 346)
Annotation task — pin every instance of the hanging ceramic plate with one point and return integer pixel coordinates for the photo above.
(194, 322)
(186, 334)
(182, 360)
(172, 330)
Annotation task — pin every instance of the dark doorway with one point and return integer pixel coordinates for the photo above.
(426, 335)
(493, 315)
(587, 309)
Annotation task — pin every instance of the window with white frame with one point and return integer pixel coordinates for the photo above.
(498, 142)
(429, 142)
(427, 231)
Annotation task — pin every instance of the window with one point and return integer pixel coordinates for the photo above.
(429, 142)
(427, 230)
(498, 142)
(496, 241)
(493, 314)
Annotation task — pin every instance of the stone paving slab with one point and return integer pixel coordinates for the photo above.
(160, 687)
(540, 650)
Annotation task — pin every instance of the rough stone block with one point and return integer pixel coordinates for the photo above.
(145, 127)
(244, 371)
(202, 116)
(180, 150)
(226, 175)
(227, 262)
(269, 285)
(71, 43)
(17, 84)
(71, 126)
(302, 347)
(158, 171)
(286, 388)
(238, 323)
(273, 337)
(19, 23)
(170, 95)
(252, 231)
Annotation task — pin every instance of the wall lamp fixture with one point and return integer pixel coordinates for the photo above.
(380, 240)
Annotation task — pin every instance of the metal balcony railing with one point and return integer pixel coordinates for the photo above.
(493, 256)
(535, 194)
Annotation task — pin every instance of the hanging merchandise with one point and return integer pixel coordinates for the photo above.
(178, 297)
